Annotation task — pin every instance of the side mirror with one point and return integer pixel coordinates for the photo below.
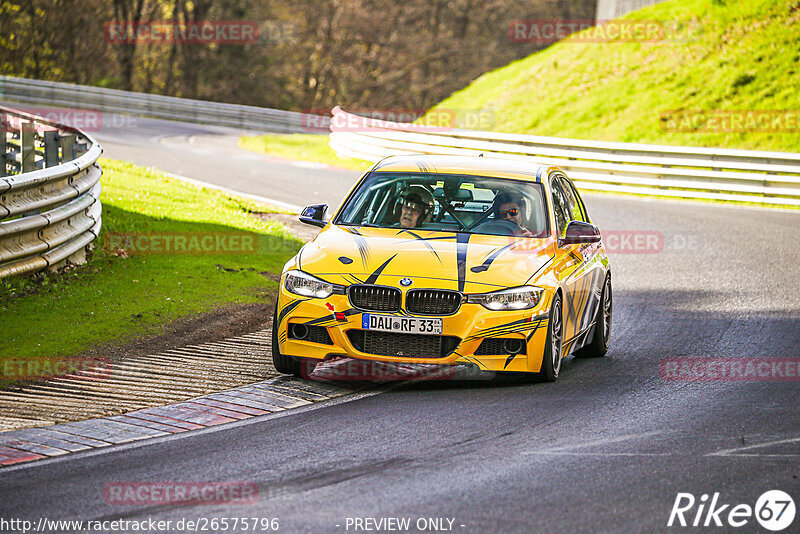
(314, 215)
(580, 232)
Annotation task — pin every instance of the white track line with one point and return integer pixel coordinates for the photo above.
(733, 452)
(264, 200)
(566, 449)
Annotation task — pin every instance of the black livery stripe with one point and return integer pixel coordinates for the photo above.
(578, 310)
(522, 325)
(508, 360)
(421, 165)
(486, 264)
(374, 276)
(420, 238)
(325, 320)
(289, 307)
(361, 243)
(545, 264)
(462, 242)
(482, 333)
(511, 330)
(473, 359)
(591, 298)
(424, 241)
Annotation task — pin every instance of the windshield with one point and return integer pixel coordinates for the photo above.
(447, 202)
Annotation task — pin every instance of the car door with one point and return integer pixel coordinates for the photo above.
(567, 259)
(585, 280)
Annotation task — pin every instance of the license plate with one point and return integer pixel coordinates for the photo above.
(405, 325)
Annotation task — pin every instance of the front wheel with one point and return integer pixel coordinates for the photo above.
(602, 326)
(551, 361)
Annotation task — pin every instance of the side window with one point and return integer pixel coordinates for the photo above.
(560, 209)
(574, 203)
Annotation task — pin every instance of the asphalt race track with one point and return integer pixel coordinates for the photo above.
(606, 448)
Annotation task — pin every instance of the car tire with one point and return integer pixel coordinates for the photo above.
(551, 362)
(598, 347)
(283, 364)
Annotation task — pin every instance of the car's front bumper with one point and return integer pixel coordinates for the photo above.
(470, 324)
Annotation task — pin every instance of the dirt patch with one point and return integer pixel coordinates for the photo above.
(219, 324)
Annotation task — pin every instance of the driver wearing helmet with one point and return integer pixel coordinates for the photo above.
(416, 204)
(508, 206)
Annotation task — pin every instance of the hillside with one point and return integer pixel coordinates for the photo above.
(718, 55)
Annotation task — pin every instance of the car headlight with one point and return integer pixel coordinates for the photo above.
(302, 283)
(517, 298)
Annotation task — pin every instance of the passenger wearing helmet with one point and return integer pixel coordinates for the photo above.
(508, 206)
(416, 204)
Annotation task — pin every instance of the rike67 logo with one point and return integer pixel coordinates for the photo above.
(774, 510)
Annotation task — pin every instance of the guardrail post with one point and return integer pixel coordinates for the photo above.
(27, 147)
(80, 149)
(3, 148)
(67, 147)
(51, 148)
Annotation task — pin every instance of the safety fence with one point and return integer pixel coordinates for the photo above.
(100, 99)
(671, 171)
(49, 193)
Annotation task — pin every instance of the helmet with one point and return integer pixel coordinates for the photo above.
(417, 194)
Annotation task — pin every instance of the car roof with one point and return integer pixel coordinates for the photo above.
(469, 165)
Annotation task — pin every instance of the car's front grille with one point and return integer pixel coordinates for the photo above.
(374, 298)
(402, 345)
(497, 346)
(433, 301)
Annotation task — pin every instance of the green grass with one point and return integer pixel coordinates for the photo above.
(114, 298)
(726, 55)
(302, 147)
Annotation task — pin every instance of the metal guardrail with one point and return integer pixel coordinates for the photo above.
(105, 100)
(49, 193)
(673, 171)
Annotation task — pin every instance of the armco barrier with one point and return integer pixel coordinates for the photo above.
(104, 100)
(673, 171)
(49, 193)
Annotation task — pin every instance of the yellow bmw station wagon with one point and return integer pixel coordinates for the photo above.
(448, 260)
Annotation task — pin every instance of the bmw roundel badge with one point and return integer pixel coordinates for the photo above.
(405, 282)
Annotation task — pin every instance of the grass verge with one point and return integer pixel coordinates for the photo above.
(718, 55)
(301, 147)
(121, 296)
